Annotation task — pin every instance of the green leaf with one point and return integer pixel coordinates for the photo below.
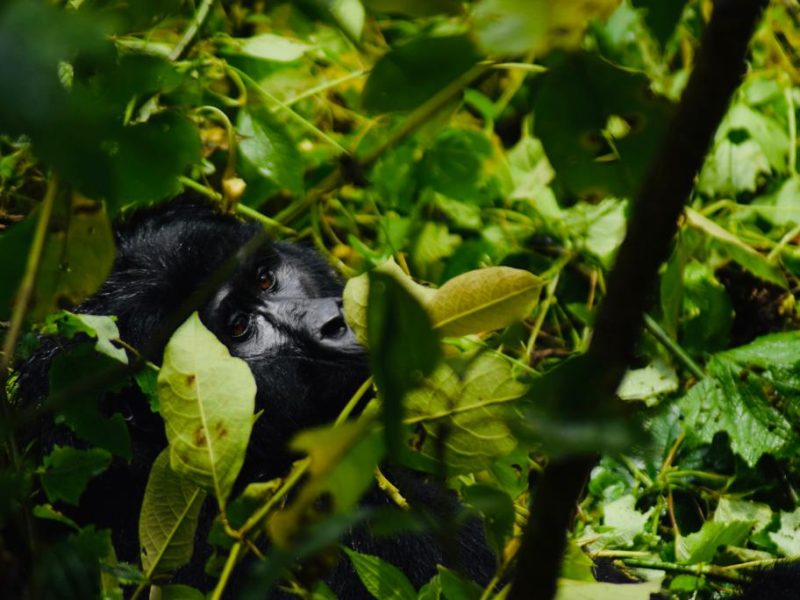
(347, 14)
(787, 538)
(207, 398)
(342, 462)
(624, 521)
(48, 512)
(739, 403)
(454, 587)
(402, 345)
(269, 46)
(455, 165)
(411, 73)
(382, 579)
(701, 546)
(648, 382)
(521, 26)
(356, 295)
(743, 254)
(268, 157)
(577, 102)
(180, 592)
(731, 508)
(747, 145)
(484, 300)
(781, 209)
(76, 259)
(661, 17)
(470, 415)
(82, 413)
(101, 328)
(168, 519)
(414, 8)
(66, 471)
(143, 162)
(707, 316)
(597, 229)
(595, 590)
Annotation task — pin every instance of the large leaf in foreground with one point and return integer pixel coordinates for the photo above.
(402, 347)
(168, 519)
(207, 399)
(470, 414)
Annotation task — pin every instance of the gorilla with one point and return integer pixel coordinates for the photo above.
(278, 307)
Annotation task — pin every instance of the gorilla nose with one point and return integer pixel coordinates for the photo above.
(329, 328)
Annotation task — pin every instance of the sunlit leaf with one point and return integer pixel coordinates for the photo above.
(356, 294)
(595, 590)
(746, 256)
(457, 412)
(269, 46)
(207, 398)
(484, 300)
(342, 462)
(519, 26)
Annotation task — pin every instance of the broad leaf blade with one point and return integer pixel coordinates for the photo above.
(382, 579)
(207, 398)
(484, 300)
(168, 519)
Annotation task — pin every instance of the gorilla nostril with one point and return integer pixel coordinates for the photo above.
(333, 329)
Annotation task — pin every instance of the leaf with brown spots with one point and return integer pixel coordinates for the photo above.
(207, 398)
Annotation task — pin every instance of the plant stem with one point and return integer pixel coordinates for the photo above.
(226, 571)
(655, 329)
(188, 36)
(712, 571)
(24, 294)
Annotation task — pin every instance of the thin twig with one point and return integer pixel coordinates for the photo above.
(188, 36)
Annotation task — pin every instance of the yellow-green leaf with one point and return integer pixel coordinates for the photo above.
(484, 300)
(207, 399)
(356, 293)
(168, 519)
(476, 410)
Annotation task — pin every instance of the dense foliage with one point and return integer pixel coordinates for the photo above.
(422, 141)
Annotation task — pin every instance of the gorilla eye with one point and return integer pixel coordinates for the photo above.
(265, 279)
(238, 326)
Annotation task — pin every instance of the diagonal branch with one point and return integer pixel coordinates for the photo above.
(719, 67)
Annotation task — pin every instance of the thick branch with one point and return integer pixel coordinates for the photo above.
(718, 70)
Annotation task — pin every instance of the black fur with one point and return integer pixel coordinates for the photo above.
(177, 251)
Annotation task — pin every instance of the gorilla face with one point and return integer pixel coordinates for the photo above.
(278, 315)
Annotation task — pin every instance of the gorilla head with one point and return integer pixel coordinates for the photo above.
(275, 305)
